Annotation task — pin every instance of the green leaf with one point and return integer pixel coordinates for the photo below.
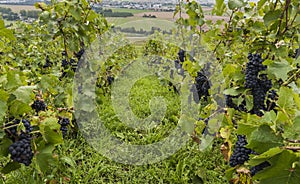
(265, 156)
(11, 166)
(271, 17)
(292, 131)
(246, 129)
(13, 80)
(233, 91)
(24, 94)
(285, 99)
(75, 12)
(261, 3)
(264, 138)
(284, 169)
(233, 4)
(49, 83)
(280, 69)
(219, 8)
(249, 102)
(44, 157)
(6, 33)
(4, 144)
(206, 142)
(18, 108)
(52, 137)
(3, 103)
(188, 124)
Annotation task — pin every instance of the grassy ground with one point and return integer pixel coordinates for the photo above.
(144, 23)
(133, 11)
(17, 8)
(77, 162)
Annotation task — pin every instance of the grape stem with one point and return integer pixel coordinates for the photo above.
(292, 148)
(292, 78)
(294, 141)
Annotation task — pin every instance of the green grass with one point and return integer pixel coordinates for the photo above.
(78, 162)
(133, 11)
(142, 23)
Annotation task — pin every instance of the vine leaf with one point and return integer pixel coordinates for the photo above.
(261, 3)
(285, 99)
(264, 138)
(265, 156)
(233, 91)
(285, 169)
(44, 156)
(246, 129)
(292, 131)
(4, 145)
(233, 4)
(11, 166)
(280, 69)
(219, 8)
(52, 137)
(271, 16)
(24, 94)
(6, 32)
(3, 103)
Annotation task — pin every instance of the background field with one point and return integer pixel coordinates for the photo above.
(17, 8)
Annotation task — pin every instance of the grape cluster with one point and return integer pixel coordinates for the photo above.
(64, 122)
(254, 66)
(271, 98)
(64, 63)
(297, 53)
(202, 86)
(79, 54)
(39, 105)
(110, 80)
(259, 84)
(178, 62)
(21, 151)
(11, 129)
(241, 153)
(259, 167)
(181, 55)
(48, 62)
(229, 102)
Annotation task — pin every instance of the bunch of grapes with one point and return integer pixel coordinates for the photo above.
(64, 122)
(229, 102)
(297, 53)
(110, 80)
(272, 97)
(254, 66)
(48, 62)
(20, 150)
(259, 85)
(181, 55)
(259, 167)
(79, 54)
(39, 105)
(202, 86)
(11, 129)
(178, 62)
(64, 63)
(241, 153)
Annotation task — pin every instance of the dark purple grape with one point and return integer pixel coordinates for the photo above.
(241, 153)
(39, 105)
(21, 151)
(259, 167)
